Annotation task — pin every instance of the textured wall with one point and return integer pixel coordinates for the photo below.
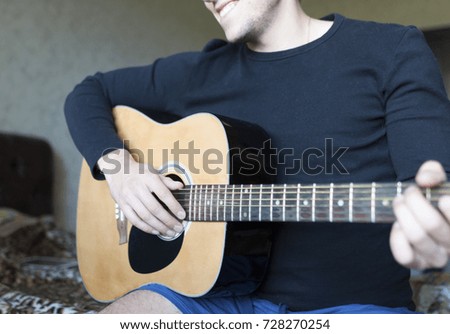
(48, 46)
(428, 14)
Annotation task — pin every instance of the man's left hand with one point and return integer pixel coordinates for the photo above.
(420, 238)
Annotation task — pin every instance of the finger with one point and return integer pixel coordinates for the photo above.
(171, 184)
(156, 215)
(444, 206)
(421, 242)
(420, 263)
(138, 202)
(428, 217)
(163, 193)
(135, 220)
(431, 174)
(401, 248)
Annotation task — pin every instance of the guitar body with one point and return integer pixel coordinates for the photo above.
(208, 258)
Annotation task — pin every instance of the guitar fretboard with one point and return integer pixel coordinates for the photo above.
(362, 203)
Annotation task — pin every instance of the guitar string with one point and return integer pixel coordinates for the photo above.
(212, 192)
(303, 195)
(311, 186)
(336, 198)
(237, 204)
(256, 189)
(368, 199)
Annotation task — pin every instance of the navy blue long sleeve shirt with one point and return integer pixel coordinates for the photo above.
(373, 90)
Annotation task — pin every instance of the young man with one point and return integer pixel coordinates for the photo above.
(374, 89)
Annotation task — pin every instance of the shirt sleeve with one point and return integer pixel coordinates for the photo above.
(88, 108)
(417, 108)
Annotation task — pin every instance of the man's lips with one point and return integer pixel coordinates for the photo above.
(224, 8)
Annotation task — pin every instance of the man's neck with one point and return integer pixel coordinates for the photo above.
(292, 28)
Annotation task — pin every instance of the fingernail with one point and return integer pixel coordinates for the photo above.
(171, 233)
(429, 178)
(181, 215)
(178, 228)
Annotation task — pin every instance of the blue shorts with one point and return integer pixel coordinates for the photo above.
(251, 305)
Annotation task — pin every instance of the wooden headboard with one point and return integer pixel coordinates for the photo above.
(26, 174)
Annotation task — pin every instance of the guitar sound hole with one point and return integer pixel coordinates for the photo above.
(166, 238)
(175, 178)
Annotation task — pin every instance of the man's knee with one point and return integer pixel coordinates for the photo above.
(143, 302)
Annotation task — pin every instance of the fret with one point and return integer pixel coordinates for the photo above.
(260, 201)
(321, 203)
(372, 203)
(298, 203)
(399, 188)
(250, 203)
(350, 204)
(225, 203)
(202, 203)
(211, 206)
(305, 207)
(206, 202)
(240, 202)
(362, 203)
(289, 202)
(277, 203)
(271, 203)
(385, 194)
(218, 202)
(284, 202)
(232, 203)
(244, 201)
(340, 207)
(195, 203)
(314, 203)
(330, 204)
(190, 203)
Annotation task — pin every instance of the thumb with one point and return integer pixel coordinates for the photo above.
(430, 174)
(171, 184)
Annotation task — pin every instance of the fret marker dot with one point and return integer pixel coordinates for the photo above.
(245, 214)
(221, 202)
(277, 202)
(385, 202)
(208, 202)
(341, 202)
(246, 191)
(305, 202)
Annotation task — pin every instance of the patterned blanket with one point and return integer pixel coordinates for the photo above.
(38, 268)
(39, 272)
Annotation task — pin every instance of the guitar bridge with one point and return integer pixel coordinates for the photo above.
(122, 225)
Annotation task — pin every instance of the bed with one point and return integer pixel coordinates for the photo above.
(38, 267)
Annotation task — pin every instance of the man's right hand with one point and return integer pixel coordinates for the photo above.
(134, 189)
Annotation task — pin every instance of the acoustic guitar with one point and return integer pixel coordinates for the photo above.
(232, 206)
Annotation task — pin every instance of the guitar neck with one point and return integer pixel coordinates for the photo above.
(353, 202)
